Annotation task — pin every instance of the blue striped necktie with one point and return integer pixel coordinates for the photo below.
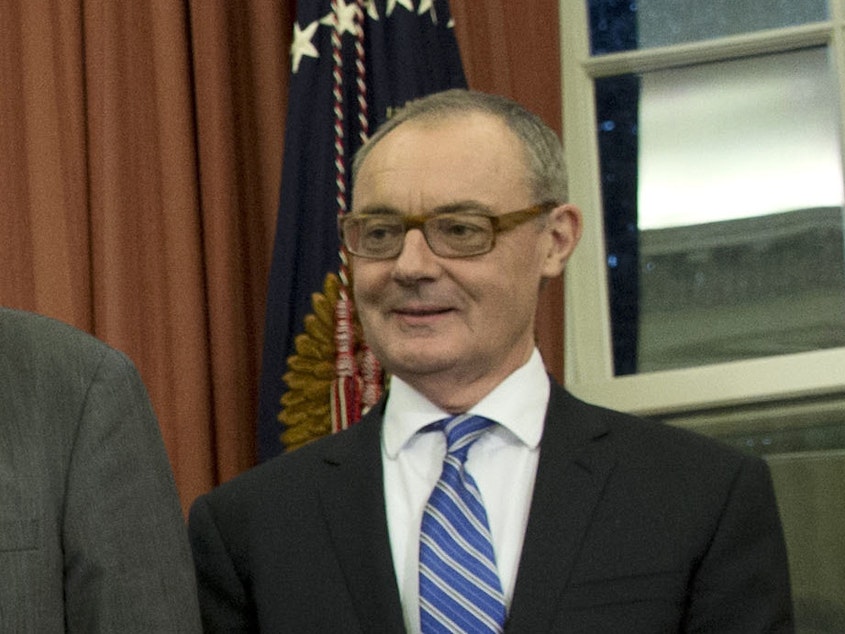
(460, 590)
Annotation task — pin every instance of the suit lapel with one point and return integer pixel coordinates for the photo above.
(571, 475)
(352, 497)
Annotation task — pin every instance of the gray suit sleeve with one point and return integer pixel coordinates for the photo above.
(127, 561)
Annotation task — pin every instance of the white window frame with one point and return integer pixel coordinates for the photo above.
(588, 355)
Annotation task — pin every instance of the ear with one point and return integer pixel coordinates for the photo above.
(564, 226)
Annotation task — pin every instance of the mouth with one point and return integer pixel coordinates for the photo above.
(421, 314)
(421, 310)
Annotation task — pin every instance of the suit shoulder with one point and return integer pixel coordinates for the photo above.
(287, 478)
(55, 364)
(29, 336)
(650, 439)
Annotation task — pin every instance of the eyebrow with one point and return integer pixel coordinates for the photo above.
(466, 206)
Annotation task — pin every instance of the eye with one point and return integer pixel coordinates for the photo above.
(460, 227)
(375, 233)
(464, 232)
(380, 233)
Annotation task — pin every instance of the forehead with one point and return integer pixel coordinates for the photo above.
(463, 157)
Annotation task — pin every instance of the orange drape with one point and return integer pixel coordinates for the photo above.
(140, 156)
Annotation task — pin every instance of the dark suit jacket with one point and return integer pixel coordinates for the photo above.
(634, 527)
(92, 538)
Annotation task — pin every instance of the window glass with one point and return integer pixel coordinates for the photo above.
(723, 193)
(624, 25)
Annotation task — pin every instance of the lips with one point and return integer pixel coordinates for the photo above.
(418, 314)
(421, 311)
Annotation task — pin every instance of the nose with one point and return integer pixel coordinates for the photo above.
(416, 261)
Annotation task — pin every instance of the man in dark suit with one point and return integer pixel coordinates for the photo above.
(92, 538)
(590, 520)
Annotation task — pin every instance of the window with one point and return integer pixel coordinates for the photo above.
(704, 146)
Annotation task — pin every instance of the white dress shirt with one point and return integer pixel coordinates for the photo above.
(503, 463)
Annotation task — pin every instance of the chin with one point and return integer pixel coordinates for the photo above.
(418, 361)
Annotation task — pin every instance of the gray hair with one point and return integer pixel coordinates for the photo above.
(540, 144)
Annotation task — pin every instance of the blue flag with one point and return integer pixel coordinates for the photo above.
(352, 64)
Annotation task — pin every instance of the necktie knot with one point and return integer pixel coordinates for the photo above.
(461, 432)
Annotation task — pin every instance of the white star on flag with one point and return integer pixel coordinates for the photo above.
(391, 5)
(345, 16)
(372, 9)
(302, 46)
(428, 5)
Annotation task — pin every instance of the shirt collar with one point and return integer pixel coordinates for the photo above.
(518, 403)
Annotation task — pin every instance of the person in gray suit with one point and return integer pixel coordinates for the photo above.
(92, 538)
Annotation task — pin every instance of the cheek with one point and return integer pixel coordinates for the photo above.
(517, 287)
(369, 291)
(365, 279)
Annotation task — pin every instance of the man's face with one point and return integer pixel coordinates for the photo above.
(453, 322)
